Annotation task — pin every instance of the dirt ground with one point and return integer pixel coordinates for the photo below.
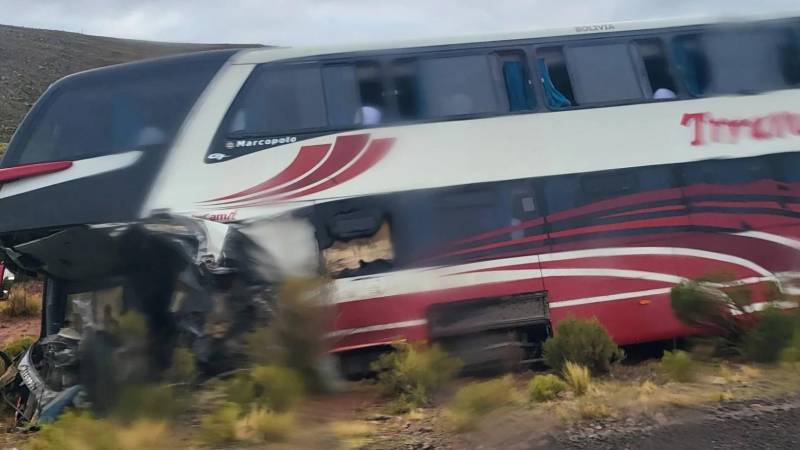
(12, 329)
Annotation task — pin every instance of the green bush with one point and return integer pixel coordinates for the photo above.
(544, 388)
(17, 347)
(699, 305)
(412, 372)
(272, 387)
(475, 400)
(770, 336)
(678, 366)
(584, 342)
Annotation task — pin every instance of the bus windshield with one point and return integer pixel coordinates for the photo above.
(113, 110)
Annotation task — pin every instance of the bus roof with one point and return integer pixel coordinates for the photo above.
(261, 55)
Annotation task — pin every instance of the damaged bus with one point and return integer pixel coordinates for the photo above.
(472, 192)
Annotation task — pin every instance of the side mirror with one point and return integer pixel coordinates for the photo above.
(3, 295)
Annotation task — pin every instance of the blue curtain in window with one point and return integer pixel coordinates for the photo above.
(514, 74)
(554, 97)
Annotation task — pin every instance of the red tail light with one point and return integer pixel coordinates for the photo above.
(32, 170)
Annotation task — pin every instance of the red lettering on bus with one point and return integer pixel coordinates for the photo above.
(699, 121)
(729, 131)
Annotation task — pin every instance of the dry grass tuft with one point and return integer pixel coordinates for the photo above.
(577, 377)
(351, 435)
(261, 425)
(24, 300)
(475, 400)
(82, 432)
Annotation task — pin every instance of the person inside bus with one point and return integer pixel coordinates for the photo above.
(368, 116)
(664, 94)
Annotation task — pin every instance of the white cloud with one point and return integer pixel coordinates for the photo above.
(297, 22)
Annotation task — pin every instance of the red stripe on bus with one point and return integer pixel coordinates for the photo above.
(375, 152)
(308, 157)
(31, 170)
(345, 150)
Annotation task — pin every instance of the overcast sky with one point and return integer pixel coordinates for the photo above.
(297, 22)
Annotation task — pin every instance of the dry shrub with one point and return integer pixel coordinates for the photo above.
(272, 387)
(2, 150)
(475, 400)
(183, 368)
(18, 346)
(295, 337)
(678, 366)
(578, 377)
(82, 432)
(584, 342)
(219, 427)
(227, 424)
(544, 388)
(413, 372)
(351, 435)
(23, 301)
(131, 326)
(261, 425)
(149, 401)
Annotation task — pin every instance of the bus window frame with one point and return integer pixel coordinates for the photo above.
(493, 50)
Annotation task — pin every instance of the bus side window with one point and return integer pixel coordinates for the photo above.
(571, 191)
(604, 73)
(458, 86)
(406, 89)
(354, 94)
(602, 186)
(789, 55)
(554, 76)
(280, 100)
(692, 63)
(516, 81)
(656, 64)
(727, 171)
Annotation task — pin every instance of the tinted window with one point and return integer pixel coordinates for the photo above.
(571, 191)
(603, 73)
(341, 94)
(727, 171)
(113, 110)
(457, 86)
(789, 166)
(406, 89)
(280, 100)
(739, 60)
